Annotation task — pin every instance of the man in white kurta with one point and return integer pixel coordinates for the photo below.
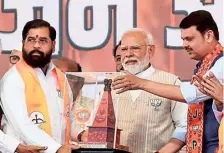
(12, 94)
(9, 144)
(38, 46)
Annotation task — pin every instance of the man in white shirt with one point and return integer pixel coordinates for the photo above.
(35, 108)
(200, 39)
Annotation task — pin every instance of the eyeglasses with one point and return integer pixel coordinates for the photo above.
(13, 59)
(42, 42)
(133, 48)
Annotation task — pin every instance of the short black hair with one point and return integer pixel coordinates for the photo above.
(203, 21)
(38, 23)
(115, 49)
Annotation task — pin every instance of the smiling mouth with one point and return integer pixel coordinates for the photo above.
(131, 62)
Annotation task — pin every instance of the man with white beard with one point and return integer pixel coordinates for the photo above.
(145, 128)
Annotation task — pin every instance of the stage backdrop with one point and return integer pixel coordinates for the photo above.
(87, 30)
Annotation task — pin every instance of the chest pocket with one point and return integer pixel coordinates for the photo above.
(155, 105)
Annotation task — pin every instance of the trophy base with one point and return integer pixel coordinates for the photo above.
(104, 146)
(98, 150)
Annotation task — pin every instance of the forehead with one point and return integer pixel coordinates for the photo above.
(39, 32)
(16, 52)
(191, 31)
(133, 38)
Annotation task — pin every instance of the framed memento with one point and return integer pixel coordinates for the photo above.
(94, 119)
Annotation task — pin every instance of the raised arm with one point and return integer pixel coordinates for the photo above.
(131, 82)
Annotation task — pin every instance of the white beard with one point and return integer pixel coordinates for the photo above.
(136, 68)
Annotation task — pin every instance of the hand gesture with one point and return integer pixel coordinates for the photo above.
(126, 82)
(211, 86)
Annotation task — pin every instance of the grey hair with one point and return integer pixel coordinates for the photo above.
(148, 35)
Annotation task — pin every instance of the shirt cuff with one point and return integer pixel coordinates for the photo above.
(10, 144)
(180, 134)
(188, 91)
(218, 114)
(76, 130)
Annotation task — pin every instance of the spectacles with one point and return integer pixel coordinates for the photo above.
(133, 48)
(14, 59)
(42, 42)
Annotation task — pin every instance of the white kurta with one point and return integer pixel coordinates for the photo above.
(7, 143)
(18, 124)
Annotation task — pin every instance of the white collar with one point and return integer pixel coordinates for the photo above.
(144, 75)
(50, 68)
(147, 73)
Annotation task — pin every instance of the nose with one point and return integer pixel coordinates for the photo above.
(129, 53)
(185, 44)
(36, 44)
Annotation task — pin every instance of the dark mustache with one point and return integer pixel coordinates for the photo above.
(188, 48)
(36, 51)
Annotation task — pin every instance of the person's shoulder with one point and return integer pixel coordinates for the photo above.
(164, 77)
(11, 76)
(166, 74)
(218, 63)
(221, 59)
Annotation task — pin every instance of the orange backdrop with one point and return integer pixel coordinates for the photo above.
(151, 15)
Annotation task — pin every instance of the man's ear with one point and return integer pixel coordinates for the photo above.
(151, 50)
(209, 36)
(53, 46)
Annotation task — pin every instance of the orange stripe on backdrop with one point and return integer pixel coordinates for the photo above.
(152, 16)
(172, 54)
